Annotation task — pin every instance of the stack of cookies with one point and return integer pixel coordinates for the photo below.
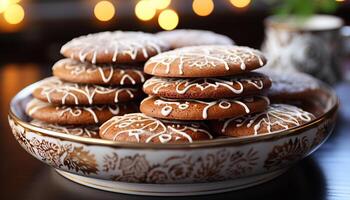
(100, 77)
(205, 83)
(193, 84)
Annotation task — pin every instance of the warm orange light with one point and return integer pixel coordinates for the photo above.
(203, 7)
(240, 3)
(104, 11)
(145, 10)
(14, 14)
(160, 4)
(168, 19)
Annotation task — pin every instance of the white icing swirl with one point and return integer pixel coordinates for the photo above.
(119, 43)
(53, 85)
(183, 104)
(201, 57)
(137, 125)
(282, 116)
(105, 72)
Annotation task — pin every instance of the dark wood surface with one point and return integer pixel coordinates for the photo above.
(323, 175)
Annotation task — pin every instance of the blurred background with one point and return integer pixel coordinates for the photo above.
(32, 32)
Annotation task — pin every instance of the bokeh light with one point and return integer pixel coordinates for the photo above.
(3, 5)
(145, 10)
(168, 19)
(160, 4)
(104, 11)
(12, 1)
(14, 14)
(240, 3)
(203, 7)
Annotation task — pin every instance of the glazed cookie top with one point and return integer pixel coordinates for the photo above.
(114, 47)
(106, 74)
(77, 115)
(137, 127)
(190, 37)
(208, 88)
(291, 84)
(190, 109)
(277, 117)
(205, 61)
(55, 91)
(83, 131)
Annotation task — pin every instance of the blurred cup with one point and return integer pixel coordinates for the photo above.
(345, 33)
(312, 45)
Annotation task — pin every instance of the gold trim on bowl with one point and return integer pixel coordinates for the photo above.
(26, 92)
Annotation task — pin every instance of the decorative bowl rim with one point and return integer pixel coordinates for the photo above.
(220, 142)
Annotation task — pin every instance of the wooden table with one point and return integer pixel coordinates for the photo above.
(324, 175)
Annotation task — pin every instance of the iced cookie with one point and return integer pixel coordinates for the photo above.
(82, 131)
(137, 127)
(190, 109)
(205, 61)
(291, 85)
(77, 115)
(114, 47)
(55, 91)
(208, 88)
(276, 118)
(108, 74)
(189, 37)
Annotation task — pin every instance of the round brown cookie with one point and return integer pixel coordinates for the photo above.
(190, 37)
(55, 91)
(205, 61)
(190, 109)
(138, 127)
(114, 47)
(83, 131)
(291, 85)
(108, 74)
(65, 115)
(276, 118)
(208, 88)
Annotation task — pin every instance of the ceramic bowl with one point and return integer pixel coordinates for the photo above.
(203, 167)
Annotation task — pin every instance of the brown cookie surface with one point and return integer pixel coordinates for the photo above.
(208, 88)
(205, 61)
(291, 85)
(65, 115)
(190, 37)
(82, 131)
(108, 74)
(277, 117)
(53, 90)
(114, 47)
(137, 127)
(190, 109)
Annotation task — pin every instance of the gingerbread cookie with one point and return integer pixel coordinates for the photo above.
(137, 127)
(191, 109)
(77, 115)
(208, 88)
(55, 91)
(82, 131)
(189, 37)
(108, 74)
(291, 85)
(276, 118)
(114, 47)
(205, 61)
